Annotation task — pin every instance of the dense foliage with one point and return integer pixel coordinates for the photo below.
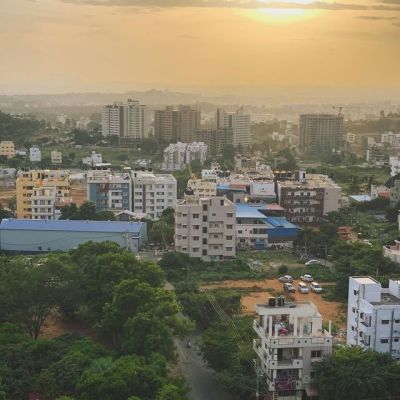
(18, 129)
(354, 374)
(86, 211)
(107, 288)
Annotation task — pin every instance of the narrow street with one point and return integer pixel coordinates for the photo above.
(201, 379)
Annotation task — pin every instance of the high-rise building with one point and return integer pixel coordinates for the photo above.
(373, 315)
(205, 227)
(109, 191)
(290, 339)
(127, 121)
(239, 122)
(153, 193)
(27, 185)
(176, 124)
(215, 139)
(320, 133)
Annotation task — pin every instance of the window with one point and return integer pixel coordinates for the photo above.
(229, 226)
(396, 339)
(353, 309)
(204, 241)
(196, 215)
(204, 229)
(228, 248)
(385, 322)
(195, 249)
(384, 341)
(205, 207)
(205, 219)
(316, 353)
(362, 315)
(397, 321)
(195, 237)
(355, 292)
(229, 237)
(229, 215)
(221, 202)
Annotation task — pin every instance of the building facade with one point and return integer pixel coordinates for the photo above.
(176, 123)
(27, 184)
(7, 149)
(153, 193)
(109, 191)
(127, 121)
(308, 198)
(215, 139)
(290, 339)
(35, 155)
(56, 157)
(25, 236)
(239, 122)
(321, 133)
(205, 227)
(373, 315)
(179, 155)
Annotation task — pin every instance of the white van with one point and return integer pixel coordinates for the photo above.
(303, 288)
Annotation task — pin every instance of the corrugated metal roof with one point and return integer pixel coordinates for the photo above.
(281, 222)
(71, 225)
(247, 211)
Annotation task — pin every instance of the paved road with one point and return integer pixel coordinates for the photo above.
(200, 378)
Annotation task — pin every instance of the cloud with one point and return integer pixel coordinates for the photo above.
(376, 18)
(244, 4)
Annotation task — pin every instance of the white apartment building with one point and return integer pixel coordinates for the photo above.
(239, 122)
(127, 121)
(390, 138)
(109, 191)
(7, 149)
(43, 203)
(153, 193)
(205, 227)
(373, 315)
(178, 155)
(35, 155)
(394, 163)
(196, 151)
(93, 159)
(175, 157)
(290, 339)
(202, 188)
(56, 157)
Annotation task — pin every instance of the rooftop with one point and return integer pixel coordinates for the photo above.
(387, 299)
(70, 225)
(311, 181)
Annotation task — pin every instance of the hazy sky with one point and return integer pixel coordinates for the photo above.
(83, 45)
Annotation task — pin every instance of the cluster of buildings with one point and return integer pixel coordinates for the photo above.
(177, 156)
(253, 208)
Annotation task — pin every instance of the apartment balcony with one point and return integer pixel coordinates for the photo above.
(218, 229)
(292, 363)
(259, 329)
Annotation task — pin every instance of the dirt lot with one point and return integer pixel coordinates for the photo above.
(55, 327)
(78, 192)
(329, 310)
(5, 194)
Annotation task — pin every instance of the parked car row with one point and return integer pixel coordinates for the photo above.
(302, 287)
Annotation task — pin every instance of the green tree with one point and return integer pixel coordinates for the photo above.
(354, 374)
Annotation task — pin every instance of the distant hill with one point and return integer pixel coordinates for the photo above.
(16, 128)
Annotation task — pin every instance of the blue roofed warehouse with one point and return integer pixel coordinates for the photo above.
(33, 236)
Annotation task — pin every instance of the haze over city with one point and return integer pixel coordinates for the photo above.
(242, 46)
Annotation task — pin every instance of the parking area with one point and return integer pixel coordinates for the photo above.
(260, 291)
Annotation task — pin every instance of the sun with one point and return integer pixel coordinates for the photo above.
(281, 14)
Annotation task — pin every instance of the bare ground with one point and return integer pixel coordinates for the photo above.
(330, 310)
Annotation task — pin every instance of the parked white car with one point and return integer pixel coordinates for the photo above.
(303, 288)
(315, 287)
(312, 262)
(307, 278)
(285, 278)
